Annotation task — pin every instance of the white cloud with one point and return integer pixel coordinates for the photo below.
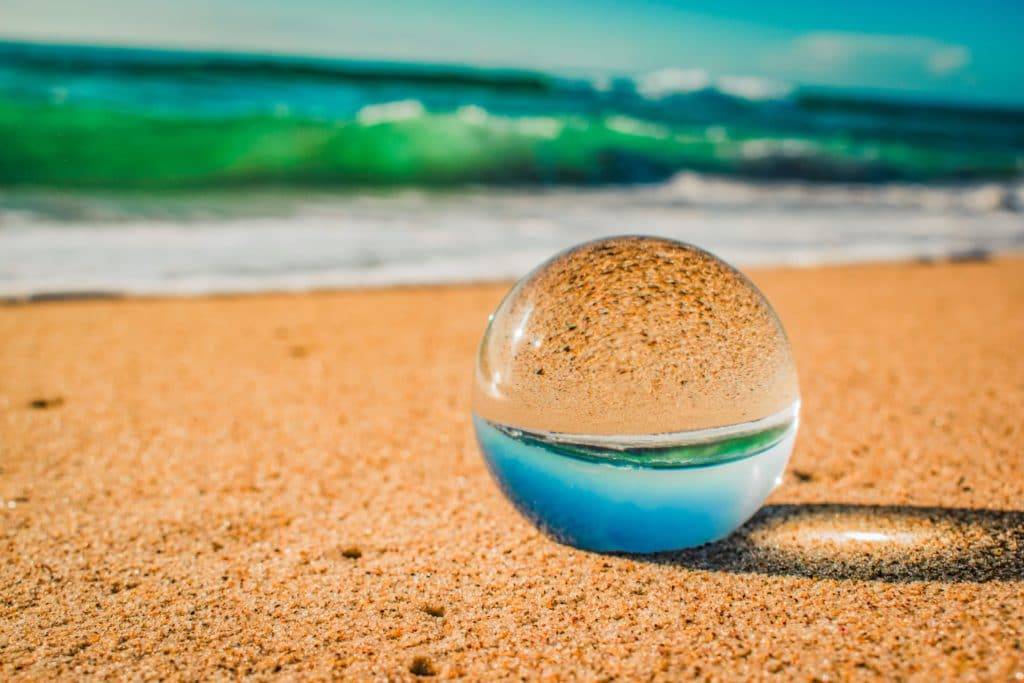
(846, 52)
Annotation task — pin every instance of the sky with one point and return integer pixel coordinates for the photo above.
(966, 51)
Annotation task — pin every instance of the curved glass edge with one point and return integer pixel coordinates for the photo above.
(698, 448)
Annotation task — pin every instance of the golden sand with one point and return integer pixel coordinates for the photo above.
(244, 487)
(634, 335)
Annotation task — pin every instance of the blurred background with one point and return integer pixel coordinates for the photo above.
(213, 146)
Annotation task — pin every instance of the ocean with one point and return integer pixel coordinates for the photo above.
(148, 171)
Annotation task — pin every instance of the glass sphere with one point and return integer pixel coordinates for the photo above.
(635, 394)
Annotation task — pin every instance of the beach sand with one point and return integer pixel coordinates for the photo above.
(288, 484)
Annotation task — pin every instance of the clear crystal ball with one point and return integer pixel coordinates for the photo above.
(637, 394)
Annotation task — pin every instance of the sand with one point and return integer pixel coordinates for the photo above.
(288, 485)
(633, 335)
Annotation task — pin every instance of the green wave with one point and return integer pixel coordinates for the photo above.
(90, 145)
(691, 455)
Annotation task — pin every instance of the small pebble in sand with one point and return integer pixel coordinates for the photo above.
(421, 666)
(46, 403)
(803, 476)
(351, 552)
(434, 610)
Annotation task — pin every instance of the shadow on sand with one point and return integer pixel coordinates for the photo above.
(868, 542)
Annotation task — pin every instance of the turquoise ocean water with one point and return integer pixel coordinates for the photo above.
(186, 171)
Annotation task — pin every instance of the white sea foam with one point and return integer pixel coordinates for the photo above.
(665, 82)
(388, 112)
(272, 241)
(628, 125)
(547, 127)
(753, 88)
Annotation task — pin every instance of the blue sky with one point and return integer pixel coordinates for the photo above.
(956, 50)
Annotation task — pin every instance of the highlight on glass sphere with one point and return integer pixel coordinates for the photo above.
(635, 394)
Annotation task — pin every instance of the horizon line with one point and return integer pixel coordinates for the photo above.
(514, 73)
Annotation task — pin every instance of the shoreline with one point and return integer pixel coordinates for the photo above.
(968, 256)
(257, 241)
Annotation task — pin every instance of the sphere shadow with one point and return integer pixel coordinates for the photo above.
(868, 542)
